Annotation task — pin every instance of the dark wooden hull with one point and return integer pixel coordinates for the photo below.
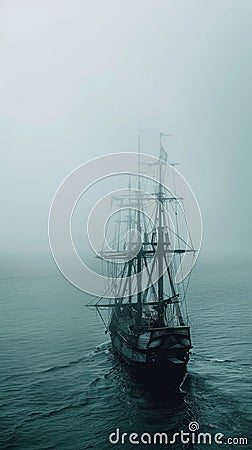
(154, 355)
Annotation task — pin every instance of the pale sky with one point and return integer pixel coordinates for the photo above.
(78, 77)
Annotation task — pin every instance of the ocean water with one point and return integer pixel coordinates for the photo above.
(58, 391)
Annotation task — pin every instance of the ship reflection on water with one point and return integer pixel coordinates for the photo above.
(169, 408)
(162, 382)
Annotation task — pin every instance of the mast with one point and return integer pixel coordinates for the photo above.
(162, 257)
(139, 256)
(130, 262)
(166, 296)
(161, 243)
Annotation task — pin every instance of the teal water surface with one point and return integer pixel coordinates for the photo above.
(59, 392)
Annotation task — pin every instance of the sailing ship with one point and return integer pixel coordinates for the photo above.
(149, 328)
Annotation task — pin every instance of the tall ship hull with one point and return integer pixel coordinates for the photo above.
(156, 353)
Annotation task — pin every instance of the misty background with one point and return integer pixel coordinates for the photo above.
(77, 80)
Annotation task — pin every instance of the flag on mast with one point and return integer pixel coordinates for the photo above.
(163, 153)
